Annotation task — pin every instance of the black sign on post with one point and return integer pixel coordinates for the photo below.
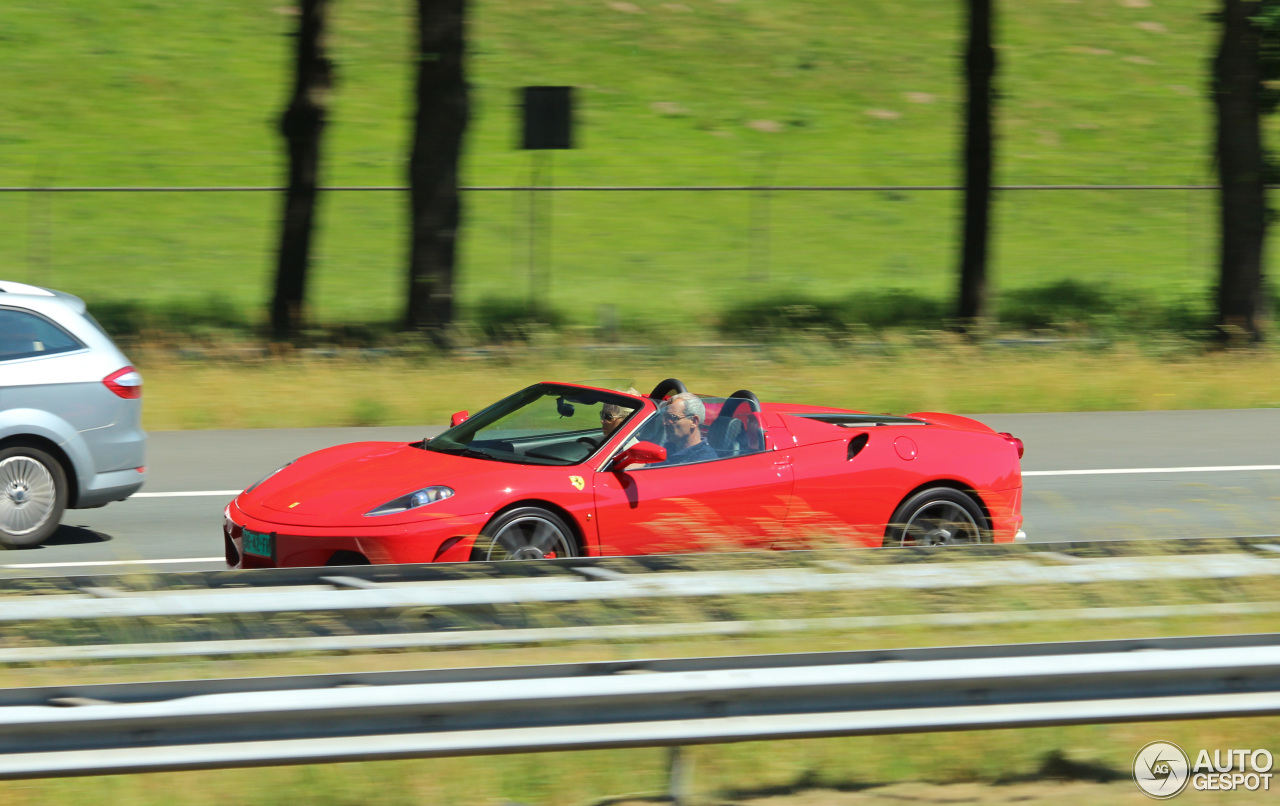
(548, 118)
(548, 126)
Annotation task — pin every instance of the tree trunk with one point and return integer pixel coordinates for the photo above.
(439, 126)
(301, 125)
(1237, 89)
(980, 68)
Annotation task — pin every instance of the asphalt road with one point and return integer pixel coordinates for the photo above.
(1180, 474)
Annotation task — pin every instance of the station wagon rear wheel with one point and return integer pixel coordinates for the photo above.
(937, 517)
(526, 533)
(33, 494)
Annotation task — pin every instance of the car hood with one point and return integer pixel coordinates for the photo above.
(337, 486)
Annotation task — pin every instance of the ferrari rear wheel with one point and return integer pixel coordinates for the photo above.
(937, 517)
(526, 533)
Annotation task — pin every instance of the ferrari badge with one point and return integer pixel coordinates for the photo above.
(577, 482)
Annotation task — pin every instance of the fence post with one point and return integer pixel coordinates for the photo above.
(759, 197)
(540, 226)
(40, 227)
(680, 780)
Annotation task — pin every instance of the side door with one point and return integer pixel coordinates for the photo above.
(847, 488)
(738, 502)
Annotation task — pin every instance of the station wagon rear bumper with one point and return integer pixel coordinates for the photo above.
(116, 485)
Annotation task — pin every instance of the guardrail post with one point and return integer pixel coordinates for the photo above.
(680, 780)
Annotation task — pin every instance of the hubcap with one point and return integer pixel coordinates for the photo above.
(529, 538)
(941, 523)
(28, 495)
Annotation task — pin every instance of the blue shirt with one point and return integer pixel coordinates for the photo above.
(699, 452)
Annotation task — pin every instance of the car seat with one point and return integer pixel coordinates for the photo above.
(737, 431)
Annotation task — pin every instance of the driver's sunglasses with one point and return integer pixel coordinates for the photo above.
(673, 419)
(606, 417)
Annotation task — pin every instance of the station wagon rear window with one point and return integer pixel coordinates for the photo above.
(25, 335)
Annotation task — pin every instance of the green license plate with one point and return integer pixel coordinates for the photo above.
(257, 543)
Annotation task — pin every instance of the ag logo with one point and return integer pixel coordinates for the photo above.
(577, 482)
(1161, 769)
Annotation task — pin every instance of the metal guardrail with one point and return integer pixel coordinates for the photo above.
(463, 604)
(597, 583)
(499, 636)
(139, 727)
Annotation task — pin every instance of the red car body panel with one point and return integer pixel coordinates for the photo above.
(813, 483)
(687, 508)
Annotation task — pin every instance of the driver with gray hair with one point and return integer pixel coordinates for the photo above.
(683, 418)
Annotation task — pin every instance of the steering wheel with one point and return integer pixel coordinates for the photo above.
(667, 387)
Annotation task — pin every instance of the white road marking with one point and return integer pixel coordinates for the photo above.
(191, 494)
(207, 493)
(1125, 470)
(1100, 472)
(120, 562)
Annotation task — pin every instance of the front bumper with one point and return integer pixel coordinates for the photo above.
(439, 540)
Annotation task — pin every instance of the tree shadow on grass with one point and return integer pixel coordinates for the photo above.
(1099, 306)
(794, 313)
(1055, 766)
(806, 781)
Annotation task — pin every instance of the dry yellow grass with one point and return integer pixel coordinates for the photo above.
(306, 391)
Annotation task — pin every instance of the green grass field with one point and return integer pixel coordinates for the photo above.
(156, 92)
(679, 92)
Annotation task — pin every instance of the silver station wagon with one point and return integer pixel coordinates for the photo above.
(70, 414)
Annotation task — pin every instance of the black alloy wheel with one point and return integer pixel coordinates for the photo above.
(525, 533)
(939, 516)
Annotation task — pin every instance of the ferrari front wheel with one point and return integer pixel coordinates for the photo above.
(939, 516)
(526, 533)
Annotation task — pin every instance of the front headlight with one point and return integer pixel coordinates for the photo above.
(418, 498)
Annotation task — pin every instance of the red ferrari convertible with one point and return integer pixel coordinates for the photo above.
(565, 470)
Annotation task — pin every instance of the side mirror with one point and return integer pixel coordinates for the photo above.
(641, 453)
(458, 418)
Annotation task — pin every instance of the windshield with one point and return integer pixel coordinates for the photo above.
(545, 424)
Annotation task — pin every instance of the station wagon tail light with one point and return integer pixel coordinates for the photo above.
(1011, 439)
(415, 499)
(126, 383)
